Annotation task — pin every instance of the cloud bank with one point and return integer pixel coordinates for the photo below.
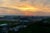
(42, 5)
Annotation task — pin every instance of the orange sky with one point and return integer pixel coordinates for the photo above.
(26, 7)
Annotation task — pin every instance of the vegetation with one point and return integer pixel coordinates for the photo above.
(38, 27)
(34, 27)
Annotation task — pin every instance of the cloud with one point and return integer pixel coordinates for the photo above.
(42, 5)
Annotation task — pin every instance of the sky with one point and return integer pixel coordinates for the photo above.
(25, 7)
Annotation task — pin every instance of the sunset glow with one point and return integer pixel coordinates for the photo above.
(21, 7)
(26, 5)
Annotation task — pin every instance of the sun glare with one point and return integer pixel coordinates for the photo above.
(27, 8)
(20, 6)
